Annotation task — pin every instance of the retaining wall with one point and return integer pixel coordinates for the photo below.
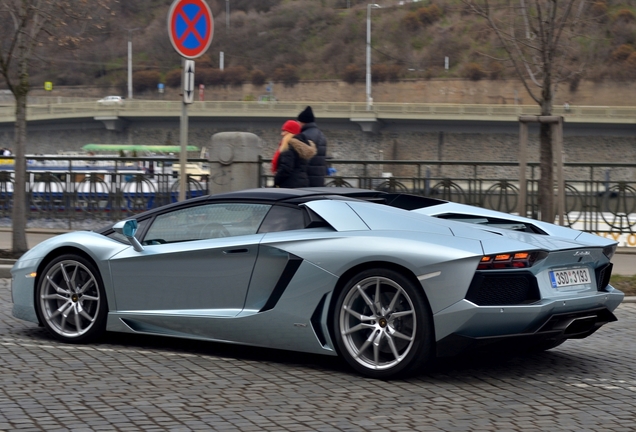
(347, 143)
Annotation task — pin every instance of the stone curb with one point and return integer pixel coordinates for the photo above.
(626, 250)
(5, 271)
(40, 230)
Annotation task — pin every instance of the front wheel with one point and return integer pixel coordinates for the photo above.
(70, 300)
(382, 324)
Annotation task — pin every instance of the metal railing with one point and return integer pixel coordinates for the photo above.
(76, 188)
(600, 197)
(324, 110)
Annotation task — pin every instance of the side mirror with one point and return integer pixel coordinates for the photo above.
(128, 228)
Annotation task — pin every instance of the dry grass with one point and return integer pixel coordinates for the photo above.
(627, 284)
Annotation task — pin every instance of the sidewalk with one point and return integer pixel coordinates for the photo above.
(34, 236)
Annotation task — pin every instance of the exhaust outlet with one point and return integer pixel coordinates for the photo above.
(580, 325)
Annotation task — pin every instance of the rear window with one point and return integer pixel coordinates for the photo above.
(281, 218)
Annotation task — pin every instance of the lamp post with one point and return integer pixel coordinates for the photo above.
(130, 90)
(369, 6)
(227, 16)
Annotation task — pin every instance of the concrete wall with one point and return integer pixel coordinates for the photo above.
(346, 141)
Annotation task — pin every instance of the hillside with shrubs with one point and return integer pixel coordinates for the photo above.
(287, 41)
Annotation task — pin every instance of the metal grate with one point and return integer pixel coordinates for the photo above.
(603, 275)
(503, 289)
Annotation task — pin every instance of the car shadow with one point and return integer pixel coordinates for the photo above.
(223, 350)
(463, 368)
(562, 360)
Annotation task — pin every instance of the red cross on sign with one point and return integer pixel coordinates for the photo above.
(190, 26)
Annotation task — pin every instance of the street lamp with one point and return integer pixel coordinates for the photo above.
(130, 93)
(369, 6)
(227, 16)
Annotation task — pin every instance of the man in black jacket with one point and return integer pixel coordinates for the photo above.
(317, 169)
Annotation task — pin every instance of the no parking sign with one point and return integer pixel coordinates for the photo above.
(191, 27)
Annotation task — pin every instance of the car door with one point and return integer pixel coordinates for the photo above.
(196, 261)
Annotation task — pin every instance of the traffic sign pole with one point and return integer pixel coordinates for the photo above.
(190, 27)
(183, 155)
(188, 69)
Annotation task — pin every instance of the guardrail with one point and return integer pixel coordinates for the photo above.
(600, 198)
(323, 110)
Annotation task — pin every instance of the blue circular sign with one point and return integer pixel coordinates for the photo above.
(190, 26)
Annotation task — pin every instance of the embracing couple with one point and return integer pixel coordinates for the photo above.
(300, 160)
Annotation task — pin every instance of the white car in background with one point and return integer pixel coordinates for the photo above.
(111, 100)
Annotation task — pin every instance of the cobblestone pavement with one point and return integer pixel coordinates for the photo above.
(128, 382)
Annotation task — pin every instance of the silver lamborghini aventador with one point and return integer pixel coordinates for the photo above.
(386, 281)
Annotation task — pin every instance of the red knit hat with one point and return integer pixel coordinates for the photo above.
(291, 126)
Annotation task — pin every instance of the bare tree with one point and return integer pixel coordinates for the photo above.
(539, 38)
(26, 27)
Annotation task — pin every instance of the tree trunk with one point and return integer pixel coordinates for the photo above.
(546, 181)
(18, 214)
(546, 163)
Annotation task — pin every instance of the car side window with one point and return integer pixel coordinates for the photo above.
(282, 218)
(205, 222)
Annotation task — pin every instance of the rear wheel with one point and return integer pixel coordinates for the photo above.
(70, 299)
(382, 324)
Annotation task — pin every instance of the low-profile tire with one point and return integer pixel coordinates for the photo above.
(382, 325)
(70, 300)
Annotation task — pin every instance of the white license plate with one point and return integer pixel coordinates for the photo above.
(564, 278)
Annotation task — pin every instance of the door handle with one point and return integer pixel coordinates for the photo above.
(235, 251)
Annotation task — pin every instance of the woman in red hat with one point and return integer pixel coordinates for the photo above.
(289, 163)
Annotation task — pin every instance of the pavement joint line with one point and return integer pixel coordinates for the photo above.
(124, 350)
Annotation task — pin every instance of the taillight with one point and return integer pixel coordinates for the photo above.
(510, 260)
(609, 251)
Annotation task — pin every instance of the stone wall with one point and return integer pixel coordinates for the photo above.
(348, 142)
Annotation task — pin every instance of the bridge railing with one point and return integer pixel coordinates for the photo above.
(325, 110)
(69, 189)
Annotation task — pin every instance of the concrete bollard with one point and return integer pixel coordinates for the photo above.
(234, 161)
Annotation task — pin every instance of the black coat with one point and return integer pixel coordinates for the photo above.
(317, 169)
(292, 163)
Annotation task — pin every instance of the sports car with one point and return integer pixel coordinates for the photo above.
(389, 282)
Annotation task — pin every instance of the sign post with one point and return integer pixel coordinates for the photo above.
(191, 27)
